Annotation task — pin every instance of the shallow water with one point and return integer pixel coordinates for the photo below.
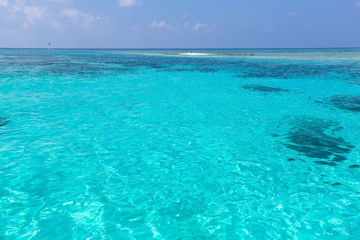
(179, 144)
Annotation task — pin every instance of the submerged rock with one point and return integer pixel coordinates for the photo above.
(266, 89)
(347, 102)
(316, 138)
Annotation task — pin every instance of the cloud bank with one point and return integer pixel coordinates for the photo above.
(84, 20)
(128, 3)
(199, 26)
(161, 24)
(4, 3)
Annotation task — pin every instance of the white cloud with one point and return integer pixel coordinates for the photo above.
(128, 3)
(19, 13)
(33, 13)
(56, 25)
(18, 6)
(185, 16)
(70, 13)
(78, 17)
(291, 14)
(59, 1)
(161, 24)
(4, 3)
(198, 26)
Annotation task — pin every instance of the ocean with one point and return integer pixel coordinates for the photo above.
(180, 144)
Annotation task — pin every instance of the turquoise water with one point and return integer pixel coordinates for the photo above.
(180, 144)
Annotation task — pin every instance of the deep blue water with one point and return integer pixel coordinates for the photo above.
(180, 144)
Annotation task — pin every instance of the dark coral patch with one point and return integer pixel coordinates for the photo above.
(284, 71)
(336, 184)
(317, 144)
(291, 159)
(316, 138)
(347, 102)
(355, 166)
(339, 158)
(3, 121)
(265, 89)
(325, 163)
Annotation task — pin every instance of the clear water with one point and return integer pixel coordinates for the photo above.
(160, 144)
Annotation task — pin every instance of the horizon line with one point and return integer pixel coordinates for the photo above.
(280, 48)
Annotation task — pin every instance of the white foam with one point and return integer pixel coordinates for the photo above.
(193, 54)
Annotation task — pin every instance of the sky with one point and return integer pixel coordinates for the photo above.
(179, 23)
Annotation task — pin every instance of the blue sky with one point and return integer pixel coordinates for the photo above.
(180, 24)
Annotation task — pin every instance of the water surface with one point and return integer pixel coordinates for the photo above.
(180, 144)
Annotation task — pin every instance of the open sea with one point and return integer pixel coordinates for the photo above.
(180, 144)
